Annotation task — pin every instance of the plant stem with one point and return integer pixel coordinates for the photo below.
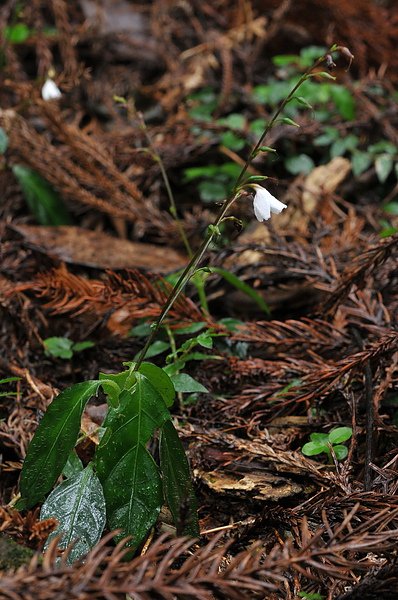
(212, 230)
(271, 123)
(183, 279)
(173, 206)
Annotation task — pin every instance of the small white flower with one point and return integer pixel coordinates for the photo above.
(265, 203)
(50, 90)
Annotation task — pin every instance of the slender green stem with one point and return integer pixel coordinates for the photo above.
(173, 206)
(183, 279)
(271, 123)
(212, 230)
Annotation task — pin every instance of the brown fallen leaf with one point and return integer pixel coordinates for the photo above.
(258, 486)
(324, 180)
(100, 250)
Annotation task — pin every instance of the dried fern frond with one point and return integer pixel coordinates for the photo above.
(321, 381)
(356, 273)
(317, 377)
(135, 294)
(292, 335)
(175, 568)
(80, 169)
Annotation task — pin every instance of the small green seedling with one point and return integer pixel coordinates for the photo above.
(63, 347)
(310, 596)
(326, 442)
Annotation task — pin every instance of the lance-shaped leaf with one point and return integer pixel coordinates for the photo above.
(160, 380)
(54, 439)
(130, 478)
(126, 379)
(133, 494)
(140, 412)
(78, 504)
(178, 489)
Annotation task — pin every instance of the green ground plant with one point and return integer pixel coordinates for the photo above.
(127, 481)
(328, 443)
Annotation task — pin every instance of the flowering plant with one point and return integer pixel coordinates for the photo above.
(265, 203)
(123, 485)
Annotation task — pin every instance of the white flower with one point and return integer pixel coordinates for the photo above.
(50, 90)
(265, 203)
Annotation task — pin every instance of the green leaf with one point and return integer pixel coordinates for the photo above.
(383, 146)
(360, 162)
(344, 144)
(73, 465)
(299, 164)
(391, 208)
(3, 141)
(330, 135)
(78, 504)
(59, 347)
(266, 149)
(141, 410)
(288, 387)
(388, 231)
(53, 441)
(384, 164)
(193, 173)
(243, 287)
(323, 75)
(205, 340)
(177, 484)
(130, 478)
(230, 140)
(255, 179)
(340, 434)
(194, 328)
(174, 368)
(343, 101)
(272, 93)
(9, 380)
(17, 34)
(211, 191)
(201, 356)
(41, 198)
(257, 127)
(185, 383)
(234, 121)
(160, 381)
(141, 330)
(301, 100)
(154, 349)
(341, 452)
(310, 596)
(310, 54)
(313, 448)
(230, 323)
(285, 59)
(133, 493)
(288, 121)
(114, 383)
(79, 346)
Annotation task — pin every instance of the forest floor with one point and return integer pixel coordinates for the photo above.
(301, 311)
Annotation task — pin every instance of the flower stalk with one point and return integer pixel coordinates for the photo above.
(237, 190)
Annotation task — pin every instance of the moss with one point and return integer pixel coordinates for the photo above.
(12, 555)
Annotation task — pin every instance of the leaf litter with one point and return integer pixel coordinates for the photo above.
(275, 524)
